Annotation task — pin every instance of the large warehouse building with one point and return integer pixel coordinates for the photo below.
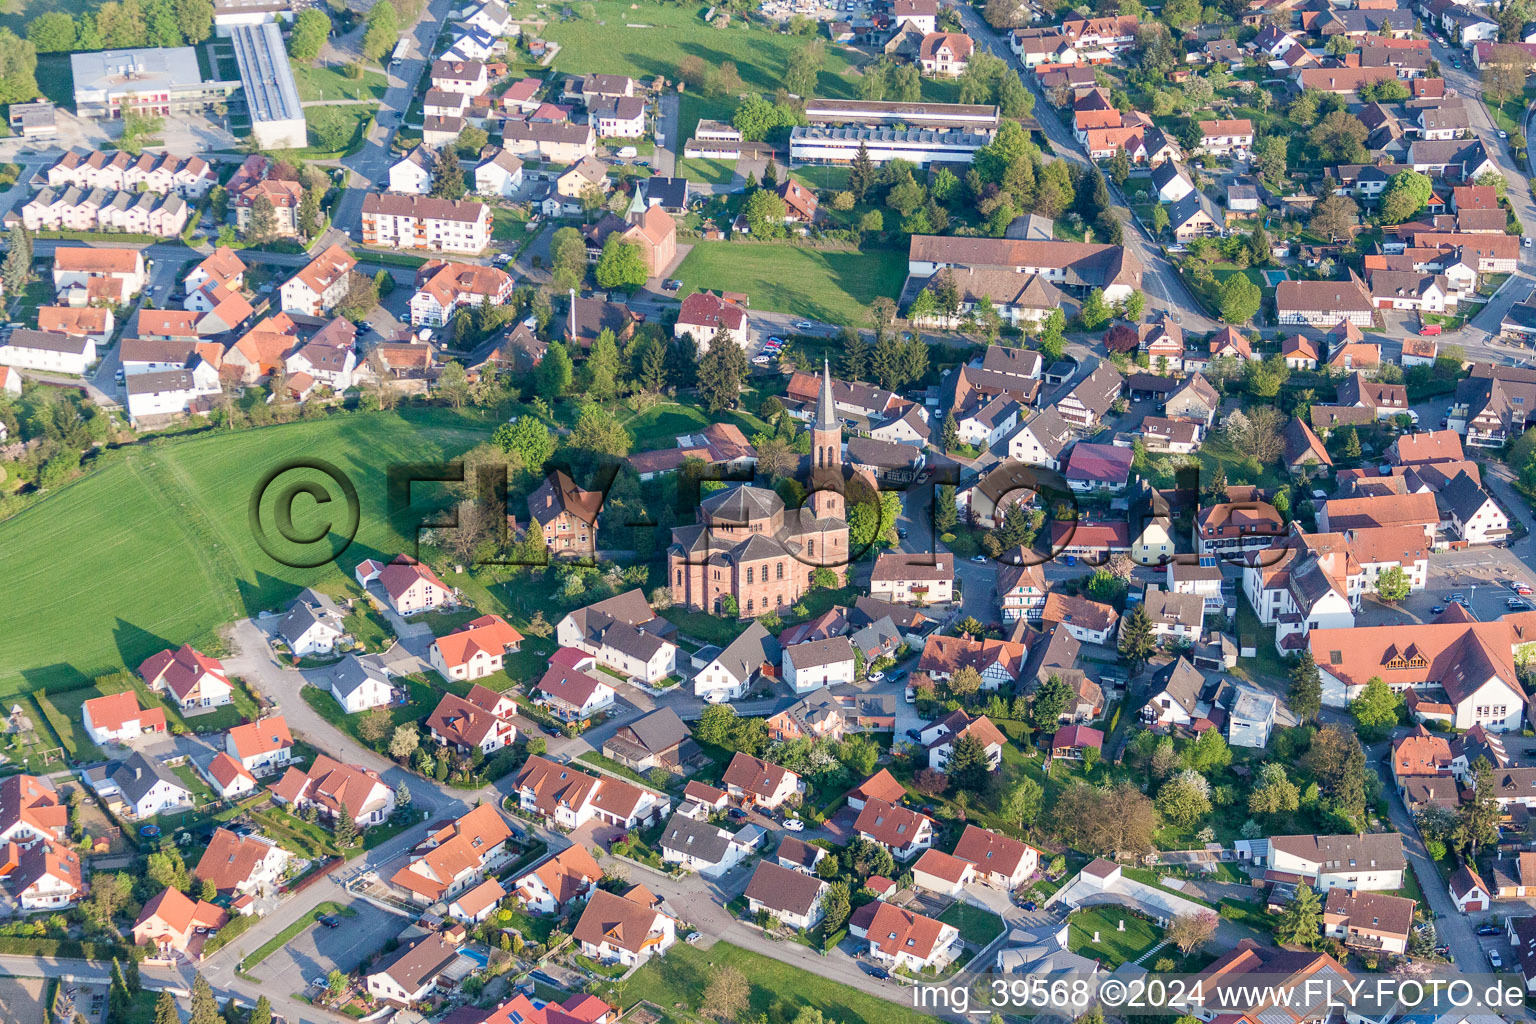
(277, 118)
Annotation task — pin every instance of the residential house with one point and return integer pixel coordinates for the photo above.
(940, 737)
(817, 663)
(903, 938)
(571, 798)
(730, 674)
(468, 725)
(1088, 621)
(571, 694)
(791, 897)
(623, 634)
(707, 849)
(242, 865)
(411, 587)
(189, 677)
(1372, 862)
(360, 683)
(262, 746)
(333, 788)
(626, 929)
(118, 718)
(456, 857)
(753, 781)
(553, 883)
(474, 650)
(921, 579)
(705, 314)
(942, 874)
(903, 831)
(140, 787)
(659, 739)
(411, 973)
(1000, 861)
(173, 923)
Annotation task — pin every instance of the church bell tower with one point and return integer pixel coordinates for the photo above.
(827, 454)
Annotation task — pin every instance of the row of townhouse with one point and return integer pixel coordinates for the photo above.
(425, 222)
(98, 209)
(188, 176)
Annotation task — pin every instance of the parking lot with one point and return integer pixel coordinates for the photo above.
(316, 952)
(1482, 576)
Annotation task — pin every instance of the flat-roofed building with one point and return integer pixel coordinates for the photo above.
(158, 82)
(277, 120)
(920, 146)
(976, 117)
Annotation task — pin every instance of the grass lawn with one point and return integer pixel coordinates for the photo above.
(834, 286)
(669, 419)
(977, 926)
(181, 509)
(682, 976)
(423, 699)
(1113, 947)
(322, 83)
(359, 115)
(613, 767)
(714, 172)
(822, 177)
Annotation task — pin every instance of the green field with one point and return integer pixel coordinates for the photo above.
(154, 548)
(611, 44)
(323, 83)
(682, 976)
(836, 286)
(713, 172)
(1114, 947)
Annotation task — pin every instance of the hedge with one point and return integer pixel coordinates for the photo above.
(65, 949)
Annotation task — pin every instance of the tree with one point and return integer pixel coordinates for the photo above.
(165, 1008)
(622, 264)
(765, 212)
(448, 176)
(603, 367)
(1240, 299)
(1209, 753)
(1137, 641)
(374, 725)
(1275, 793)
(946, 512)
(1376, 706)
(1184, 799)
(262, 225)
(1050, 702)
(1477, 820)
(1191, 931)
(261, 1013)
(861, 173)
(17, 269)
(1351, 443)
(205, 1008)
(554, 373)
(362, 296)
(967, 765)
(1159, 219)
(721, 371)
(195, 19)
(886, 364)
(1119, 821)
(1504, 74)
(949, 434)
(1301, 920)
(529, 439)
(855, 359)
(804, 65)
(310, 31)
(965, 681)
(1135, 306)
(567, 259)
(1256, 433)
(1306, 692)
(344, 828)
(52, 32)
(835, 906)
(1095, 312)
(1337, 763)
(1335, 216)
(598, 431)
(453, 385)
(383, 31)
(715, 725)
(1393, 584)
(1022, 801)
(727, 994)
(18, 68)
(1407, 194)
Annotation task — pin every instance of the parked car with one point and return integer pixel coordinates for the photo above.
(1515, 604)
(1494, 960)
(795, 825)
(981, 559)
(1487, 929)
(1523, 590)
(330, 921)
(1457, 598)
(876, 972)
(691, 938)
(1437, 609)
(736, 814)
(803, 325)
(913, 734)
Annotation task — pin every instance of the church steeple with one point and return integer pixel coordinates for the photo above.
(826, 415)
(827, 453)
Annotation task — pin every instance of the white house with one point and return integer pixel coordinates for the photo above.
(143, 787)
(730, 674)
(501, 175)
(262, 746)
(793, 898)
(819, 663)
(1251, 718)
(942, 873)
(169, 392)
(903, 938)
(1371, 861)
(707, 849)
(117, 717)
(312, 624)
(939, 737)
(553, 883)
(48, 351)
(1474, 515)
(1000, 861)
(360, 683)
(627, 929)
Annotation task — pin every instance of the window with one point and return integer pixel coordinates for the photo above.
(679, 577)
(779, 571)
(749, 574)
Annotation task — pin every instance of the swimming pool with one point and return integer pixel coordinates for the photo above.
(478, 957)
(1274, 277)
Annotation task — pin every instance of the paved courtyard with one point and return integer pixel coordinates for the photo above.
(315, 952)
